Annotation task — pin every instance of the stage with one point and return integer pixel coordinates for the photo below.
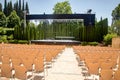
(57, 42)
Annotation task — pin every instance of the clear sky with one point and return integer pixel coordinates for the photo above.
(102, 8)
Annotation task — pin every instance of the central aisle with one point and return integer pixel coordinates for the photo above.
(65, 68)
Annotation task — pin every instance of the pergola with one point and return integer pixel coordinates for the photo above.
(89, 19)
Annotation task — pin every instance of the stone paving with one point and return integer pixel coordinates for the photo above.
(65, 67)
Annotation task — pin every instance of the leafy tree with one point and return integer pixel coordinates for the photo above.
(2, 19)
(62, 8)
(110, 29)
(13, 20)
(116, 13)
(0, 7)
(116, 20)
(116, 27)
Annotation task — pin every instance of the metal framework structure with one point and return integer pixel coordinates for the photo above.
(89, 19)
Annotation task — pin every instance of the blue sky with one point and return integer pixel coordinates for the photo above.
(102, 8)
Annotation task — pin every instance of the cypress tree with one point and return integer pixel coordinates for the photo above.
(16, 7)
(23, 6)
(19, 5)
(9, 8)
(19, 10)
(5, 7)
(0, 7)
(27, 8)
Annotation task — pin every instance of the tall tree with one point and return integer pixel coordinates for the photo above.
(2, 19)
(0, 7)
(62, 8)
(13, 20)
(16, 7)
(19, 5)
(116, 13)
(9, 8)
(116, 20)
(20, 10)
(27, 8)
(23, 6)
(5, 7)
(116, 27)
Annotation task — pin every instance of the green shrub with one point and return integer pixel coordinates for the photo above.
(13, 41)
(22, 41)
(10, 37)
(89, 43)
(93, 43)
(1, 41)
(4, 38)
(18, 41)
(108, 38)
(84, 43)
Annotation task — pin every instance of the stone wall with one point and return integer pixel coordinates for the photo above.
(116, 42)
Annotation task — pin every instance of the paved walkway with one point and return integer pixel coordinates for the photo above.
(65, 68)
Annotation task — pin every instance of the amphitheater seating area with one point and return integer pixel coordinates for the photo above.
(23, 61)
(103, 62)
(26, 62)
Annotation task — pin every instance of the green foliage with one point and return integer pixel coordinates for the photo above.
(1, 29)
(23, 42)
(89, 43)
(30, 32)
(18, 41)
(116, 20)
(116, 27)
(0, 7)
(9, 31)
(101, 29)
(93, 43)
(108, 38)
(4, 38)
(5, 7)
(116, 13)
(10, 37)
(6, 34)
(13, 41)
(62, 8)
(27, 8)
(9, 8)
(84, 43)
(13, 20)
(2, 19)
(17, 6)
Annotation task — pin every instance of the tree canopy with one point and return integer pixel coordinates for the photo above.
(116, 20)
(116, 13)
(62, 8)
(0, 7)
(13, 20)
(2, 19)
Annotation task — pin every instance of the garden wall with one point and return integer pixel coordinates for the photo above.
(116, 42)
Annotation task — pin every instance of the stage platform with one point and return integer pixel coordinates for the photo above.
(57, 42)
